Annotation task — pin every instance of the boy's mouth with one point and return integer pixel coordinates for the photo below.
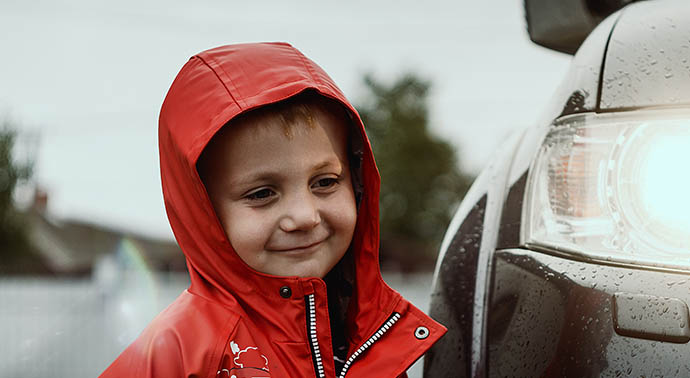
(304, 247)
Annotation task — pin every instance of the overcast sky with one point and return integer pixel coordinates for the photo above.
(88, 78)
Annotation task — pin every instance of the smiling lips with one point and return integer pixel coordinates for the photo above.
(298, 241)
(297, 248)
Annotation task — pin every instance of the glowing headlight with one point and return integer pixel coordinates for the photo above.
(613, 187)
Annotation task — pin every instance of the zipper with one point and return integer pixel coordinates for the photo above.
(382, 330)
(313, 339)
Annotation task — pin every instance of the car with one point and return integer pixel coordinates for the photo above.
(570, 254)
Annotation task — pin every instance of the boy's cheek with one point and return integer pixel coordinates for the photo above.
(346, 214)
(246, 233)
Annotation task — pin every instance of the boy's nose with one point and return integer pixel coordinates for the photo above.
(301, 215)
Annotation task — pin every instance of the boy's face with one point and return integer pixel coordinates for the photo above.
(284, 196)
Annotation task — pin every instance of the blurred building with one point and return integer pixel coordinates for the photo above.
(75, 247)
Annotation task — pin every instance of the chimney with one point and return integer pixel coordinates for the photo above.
(40, 203)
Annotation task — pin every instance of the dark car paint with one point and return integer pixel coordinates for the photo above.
(648, 58)
(467, 261)
(515, 312)
(454, 294)
(552, 316)
(563, 25)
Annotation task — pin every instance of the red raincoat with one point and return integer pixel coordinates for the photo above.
(234, 321)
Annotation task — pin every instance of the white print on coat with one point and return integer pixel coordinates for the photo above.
(234, 347)
(237, 360)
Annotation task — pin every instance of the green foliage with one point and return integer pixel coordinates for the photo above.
(421, 183)
(16, 254)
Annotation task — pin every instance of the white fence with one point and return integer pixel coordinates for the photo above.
(75, 328)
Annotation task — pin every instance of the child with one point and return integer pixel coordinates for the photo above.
(272, 193)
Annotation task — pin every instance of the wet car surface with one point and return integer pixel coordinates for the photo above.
(570, 255)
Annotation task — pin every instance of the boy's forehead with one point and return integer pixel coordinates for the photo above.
(262, 125)
(254, 141)
(277, 124)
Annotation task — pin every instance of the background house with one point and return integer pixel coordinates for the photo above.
(74, 247)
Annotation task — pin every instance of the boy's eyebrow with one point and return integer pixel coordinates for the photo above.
(251, 178)
(277, 175)
(326, 164)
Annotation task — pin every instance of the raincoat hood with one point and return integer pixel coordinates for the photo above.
(211, 89)
(230, 308)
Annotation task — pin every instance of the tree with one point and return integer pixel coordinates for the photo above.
(421, 183)
(16, 253)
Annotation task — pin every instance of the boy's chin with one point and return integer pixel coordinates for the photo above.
(302, 269)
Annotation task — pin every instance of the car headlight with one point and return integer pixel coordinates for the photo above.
(613, 187)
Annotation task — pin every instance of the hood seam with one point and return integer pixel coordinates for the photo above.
(316, 80)
(210, 67)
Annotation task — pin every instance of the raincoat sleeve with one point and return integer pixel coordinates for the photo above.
(185, 340)
(159, 356)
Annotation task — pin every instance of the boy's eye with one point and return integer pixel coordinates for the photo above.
(260, 195)
(325, 183)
